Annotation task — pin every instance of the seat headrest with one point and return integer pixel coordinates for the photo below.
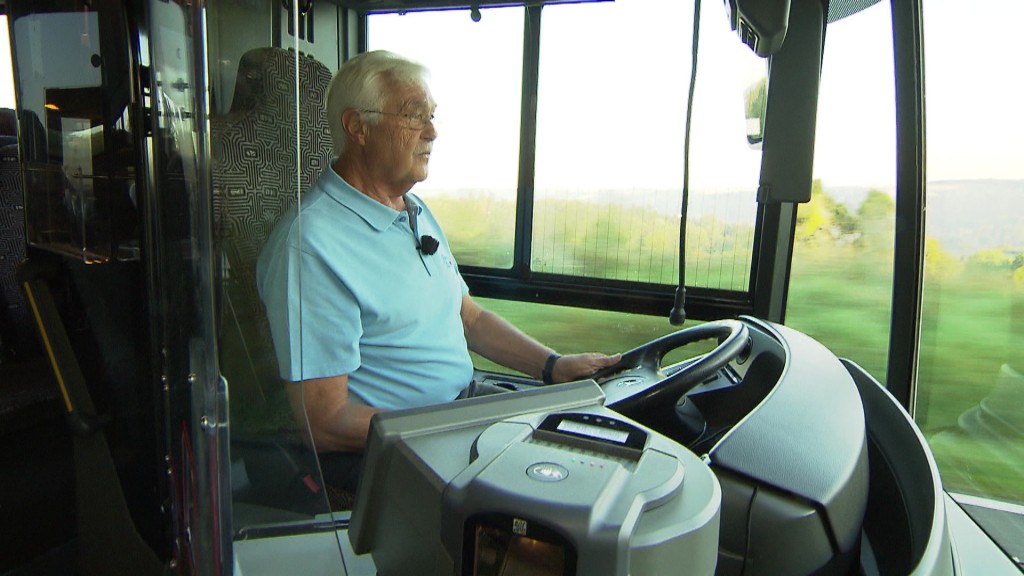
(268, 73)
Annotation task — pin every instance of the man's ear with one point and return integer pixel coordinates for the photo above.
(354, 127)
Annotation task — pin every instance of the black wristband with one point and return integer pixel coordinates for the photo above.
(549, 367)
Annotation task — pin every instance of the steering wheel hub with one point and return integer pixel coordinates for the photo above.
(626, 381)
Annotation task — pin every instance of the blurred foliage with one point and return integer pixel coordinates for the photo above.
(582, 238)
(972, 328)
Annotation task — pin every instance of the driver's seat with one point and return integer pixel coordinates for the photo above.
(256, 177)
(265, 154)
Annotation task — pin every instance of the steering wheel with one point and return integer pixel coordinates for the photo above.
(638, 381)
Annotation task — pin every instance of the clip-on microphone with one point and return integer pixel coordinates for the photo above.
(427, 245)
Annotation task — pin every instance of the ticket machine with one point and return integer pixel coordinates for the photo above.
(546, 482)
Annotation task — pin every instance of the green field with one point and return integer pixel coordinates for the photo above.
(972, 323)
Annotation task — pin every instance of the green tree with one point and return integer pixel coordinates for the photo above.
(846, 225)
(822, 220)
(991, 259)
(938, 264)
(877, 219)
(814, 220)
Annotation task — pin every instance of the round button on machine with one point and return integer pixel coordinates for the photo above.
(547, 472)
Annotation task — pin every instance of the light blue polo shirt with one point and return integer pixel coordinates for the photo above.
(371, 306)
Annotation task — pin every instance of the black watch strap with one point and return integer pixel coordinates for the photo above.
(549, 367)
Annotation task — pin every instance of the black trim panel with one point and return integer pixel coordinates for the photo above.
(612, 295)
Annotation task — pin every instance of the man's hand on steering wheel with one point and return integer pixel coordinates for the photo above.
(580, 366)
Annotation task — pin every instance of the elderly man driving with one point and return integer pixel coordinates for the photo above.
(366, 306)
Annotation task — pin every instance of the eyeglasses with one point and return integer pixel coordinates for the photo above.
(410, 121)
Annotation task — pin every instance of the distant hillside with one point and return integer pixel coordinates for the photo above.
(971, 215)
(965, 216)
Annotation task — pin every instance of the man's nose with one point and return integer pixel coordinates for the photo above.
(429, 132)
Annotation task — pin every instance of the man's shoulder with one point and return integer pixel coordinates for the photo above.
(322, 214)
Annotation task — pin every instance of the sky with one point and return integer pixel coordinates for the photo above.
(972, 95)
(612, 119)
(973, 92)
(976, 91)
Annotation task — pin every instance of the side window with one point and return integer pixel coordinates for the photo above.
(607, 162)
(6, 71)
(610, 146)
(608, 176)
(970, 376)
(841, 279)
(972, 336)
(475, 163)
(75, 120)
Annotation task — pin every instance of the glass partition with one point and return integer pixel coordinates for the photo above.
(268, 144)
(79, 153)
(114, 149)
(181, 283)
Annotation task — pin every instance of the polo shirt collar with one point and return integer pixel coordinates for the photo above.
(377, 215)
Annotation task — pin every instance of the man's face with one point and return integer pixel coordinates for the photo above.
(398, 148)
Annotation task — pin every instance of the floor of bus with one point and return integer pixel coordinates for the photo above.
(37, 484)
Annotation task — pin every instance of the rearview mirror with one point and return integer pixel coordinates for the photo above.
(755, 100)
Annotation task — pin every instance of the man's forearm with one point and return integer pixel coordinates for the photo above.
(337, 423)
(346, 431)
(498, 340)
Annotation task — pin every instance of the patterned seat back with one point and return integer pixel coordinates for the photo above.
(264, 156)
(17, 334)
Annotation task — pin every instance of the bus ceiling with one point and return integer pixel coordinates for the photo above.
(378, 6)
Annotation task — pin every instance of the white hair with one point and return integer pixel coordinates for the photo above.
(362, 83)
